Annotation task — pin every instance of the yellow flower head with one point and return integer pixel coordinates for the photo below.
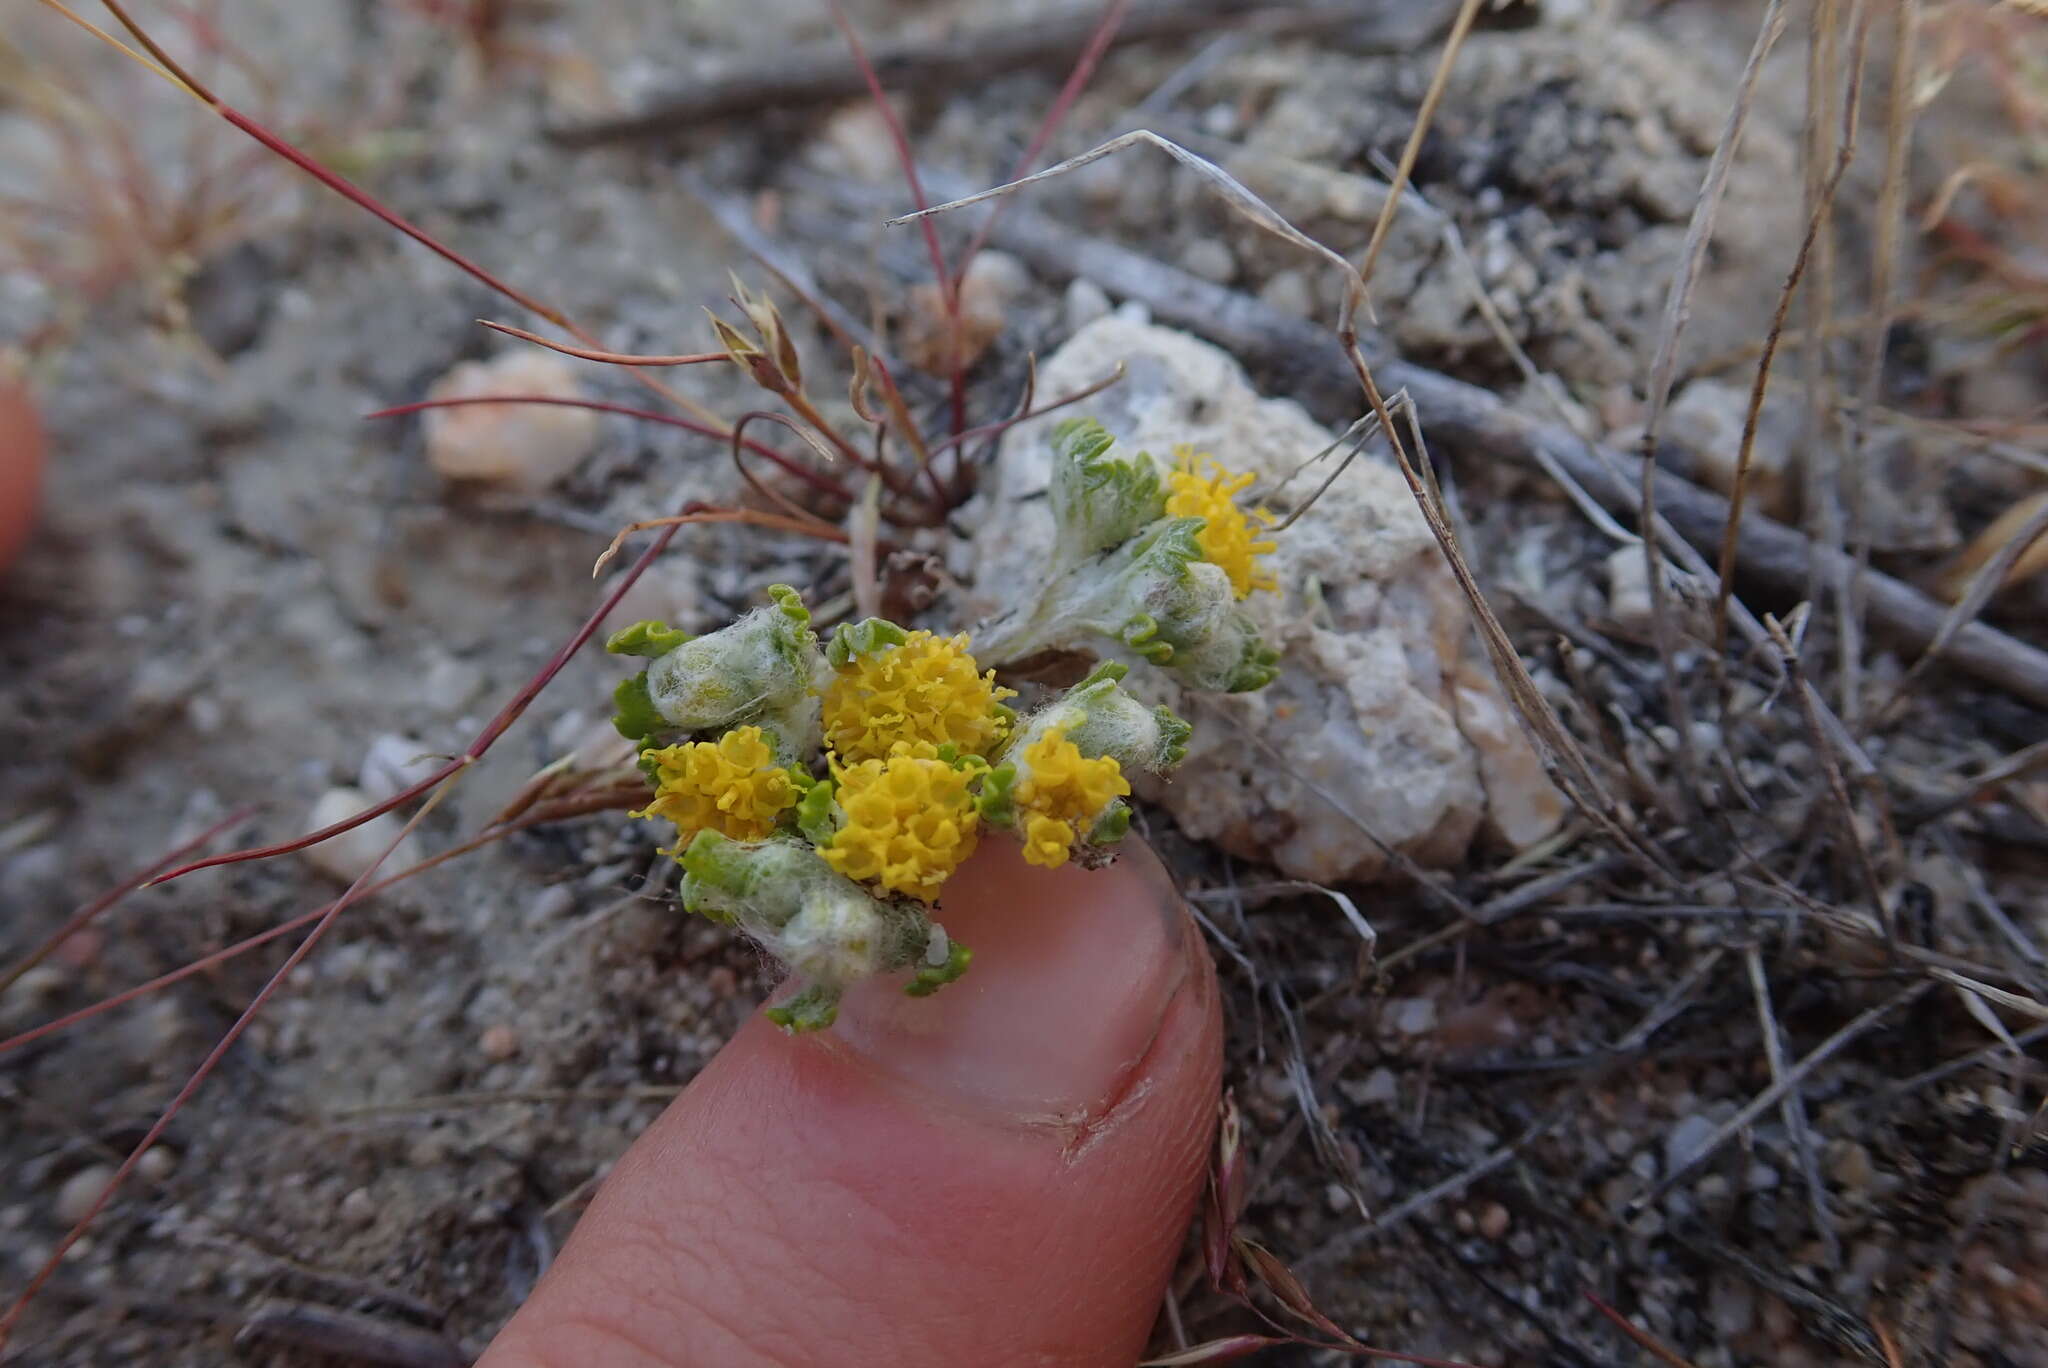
(910, 821)
(1203, 488)
(922, 688)
(732, 786)
(1063, 791)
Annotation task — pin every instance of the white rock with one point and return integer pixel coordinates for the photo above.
(344, 858)
(1365, 712)
(1522, 805)
(393, 764)
(523, 446)
(1628, 589)
(1687, 1139)
(1706, 419)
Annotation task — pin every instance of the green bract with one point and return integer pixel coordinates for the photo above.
(825, 927)
(763, 670)
(1122, 572)
(1101, 494)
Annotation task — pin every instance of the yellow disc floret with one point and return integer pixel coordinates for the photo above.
(1203, 488)
(910, 821)
(732, 786)
(1063, 791)
(925, 688)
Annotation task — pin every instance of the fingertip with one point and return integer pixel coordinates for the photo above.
(1009, 1182)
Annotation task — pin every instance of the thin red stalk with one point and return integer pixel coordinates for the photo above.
(502, 827)
(694, 513)
(199, 1077)
(774, 496)
(824, 483)
(610, 358)
(1642, 1337)
(492, 730)
(183, 971)
(363, 200)
(1077, 80)
(78, 920)
(948, 291)
(1024, 412)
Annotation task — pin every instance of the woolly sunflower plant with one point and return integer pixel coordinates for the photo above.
(822, 793)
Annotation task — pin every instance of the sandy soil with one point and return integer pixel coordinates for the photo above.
(241, 585)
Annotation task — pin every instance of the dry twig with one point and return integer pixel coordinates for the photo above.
(823, 73)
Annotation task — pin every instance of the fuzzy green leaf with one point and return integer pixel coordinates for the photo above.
(1100, 495)
(932, 977)
(813, 1009)
(637, 718)
(648, 638)
(1112, 825)
(871, 636)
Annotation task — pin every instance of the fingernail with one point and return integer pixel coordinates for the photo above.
(1073, 973)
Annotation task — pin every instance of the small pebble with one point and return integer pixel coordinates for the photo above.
(1288, 292)
(452, 683)
(393, 764)
(1850, 1166)
(551, 904)
(1493, 1220)
(1084, 303)
(1413, 1016)
(75, 1199)
(1378, 1090)
(1211, 259)
(1687, 1139)
(526, 447)
(358, 1208)
(343, 858)
(156, 1164)
(498, 1042)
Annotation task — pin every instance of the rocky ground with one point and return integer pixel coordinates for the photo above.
(245, 596)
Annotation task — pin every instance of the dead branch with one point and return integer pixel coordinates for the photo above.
(1769, 555)
(825, 72)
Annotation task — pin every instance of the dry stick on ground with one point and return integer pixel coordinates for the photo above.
(1891, 213)
(1664, 370)
(1768, 553)
(2018, 765)
(823, 73)
(1793, 1109)
(1782, 1085)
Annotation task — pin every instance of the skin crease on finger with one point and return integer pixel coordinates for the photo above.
(1005, 1178)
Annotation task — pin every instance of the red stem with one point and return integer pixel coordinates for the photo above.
(78, 920)
(1077, 80)
(492, 730)
(948, 289)
(362, 200)
(823, 483)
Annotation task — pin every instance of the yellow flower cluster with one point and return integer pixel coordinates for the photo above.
(1226, 537)
(732, 786)
(910, 820)
(1064, 789)
(925, 688)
